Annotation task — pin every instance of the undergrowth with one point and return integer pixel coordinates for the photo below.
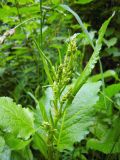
(75, 116)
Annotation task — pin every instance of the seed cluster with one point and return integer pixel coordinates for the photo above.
(64, 75)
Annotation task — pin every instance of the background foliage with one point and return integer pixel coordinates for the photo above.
(22, 71)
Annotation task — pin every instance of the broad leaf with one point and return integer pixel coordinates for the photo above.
(15, 143)
(78, 117)
(2, 144)
(110, 91)
(110, 140)
(25, 154)
(110, 42)
(5, 152)
(47, 98)
(15, 119)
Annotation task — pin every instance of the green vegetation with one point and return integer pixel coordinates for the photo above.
(59, 80)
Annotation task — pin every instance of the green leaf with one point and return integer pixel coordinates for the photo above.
(94, 58)
(45, 61)
(15, 143)
(110, 141)
(22, 1)
(2, 70)
(110, 91)
(6, 12)
(80, 22)
(5, 152)
(106, 74)
(84, 1)
(40, 144)
(2, 143)
(110, 42)
(113, 51)
(55, 2)
(40, 112)
(15, 120)
(47, 98)
(78, 117)
(117, 100)
(24, 154)
(18, 89)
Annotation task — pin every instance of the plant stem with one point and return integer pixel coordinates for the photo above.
(19, 16)
(103, 82)
(41, 20)
(50, 146)
(17, 7)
